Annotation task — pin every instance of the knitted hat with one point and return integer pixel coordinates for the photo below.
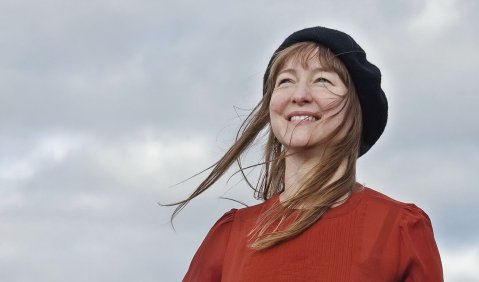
(366, 77)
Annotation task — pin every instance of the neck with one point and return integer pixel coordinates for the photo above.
(297, 167)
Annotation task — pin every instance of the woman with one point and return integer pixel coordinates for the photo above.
(322, 107)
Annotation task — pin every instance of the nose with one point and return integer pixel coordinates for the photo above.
(302, 95)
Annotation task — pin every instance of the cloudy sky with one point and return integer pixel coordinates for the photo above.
(106, 105)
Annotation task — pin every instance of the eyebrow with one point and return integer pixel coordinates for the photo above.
(316, 70)
(323, 70)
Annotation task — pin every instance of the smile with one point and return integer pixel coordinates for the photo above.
(303, 116)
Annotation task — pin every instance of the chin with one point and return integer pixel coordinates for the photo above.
(300, 142)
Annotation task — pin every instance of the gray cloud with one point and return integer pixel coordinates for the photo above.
(106, 104)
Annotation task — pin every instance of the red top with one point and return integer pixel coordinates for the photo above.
(370, 237)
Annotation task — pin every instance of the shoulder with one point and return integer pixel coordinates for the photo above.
(221, 228)
(233, 215)
(383, 202)
(227, 216)
(383, 209)
(207, 262)
(225, 221)
(380, 198)
(402, 231)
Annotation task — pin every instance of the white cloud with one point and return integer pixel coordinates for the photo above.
(10, 199)
(47, 149)
(147, 156)
(435, 16)
(461, 264)
(89, 200)
(108, 80)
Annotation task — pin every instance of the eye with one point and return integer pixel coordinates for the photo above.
(322, 80)
(283, 81)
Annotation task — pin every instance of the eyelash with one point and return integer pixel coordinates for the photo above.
(322, 79)
(319, 79)
(284, 80)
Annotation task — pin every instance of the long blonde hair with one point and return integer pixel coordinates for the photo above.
(318, 189)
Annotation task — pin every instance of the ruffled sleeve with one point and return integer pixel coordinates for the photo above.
(419, 255)
(207, 263)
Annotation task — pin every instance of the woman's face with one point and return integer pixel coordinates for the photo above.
(304, 103)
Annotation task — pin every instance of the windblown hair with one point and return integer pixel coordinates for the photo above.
(286, 220)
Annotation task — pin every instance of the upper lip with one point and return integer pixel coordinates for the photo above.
(317, 116)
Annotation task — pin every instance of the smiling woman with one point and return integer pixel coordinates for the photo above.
(323, 107)
(308, 96)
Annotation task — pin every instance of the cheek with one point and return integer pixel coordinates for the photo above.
(273, 103)
(277, 103)
(276, 107)
(335, 122)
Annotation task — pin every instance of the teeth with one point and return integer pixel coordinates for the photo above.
(309, 118)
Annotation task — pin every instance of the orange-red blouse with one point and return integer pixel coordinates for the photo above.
(369, 238)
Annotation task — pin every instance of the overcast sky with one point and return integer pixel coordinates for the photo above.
(105, 105)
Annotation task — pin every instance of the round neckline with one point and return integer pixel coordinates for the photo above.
(349, 205)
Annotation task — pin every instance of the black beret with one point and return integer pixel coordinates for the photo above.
(366, 77)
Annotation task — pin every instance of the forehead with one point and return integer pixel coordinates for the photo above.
(308, 57)
(294, 63)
